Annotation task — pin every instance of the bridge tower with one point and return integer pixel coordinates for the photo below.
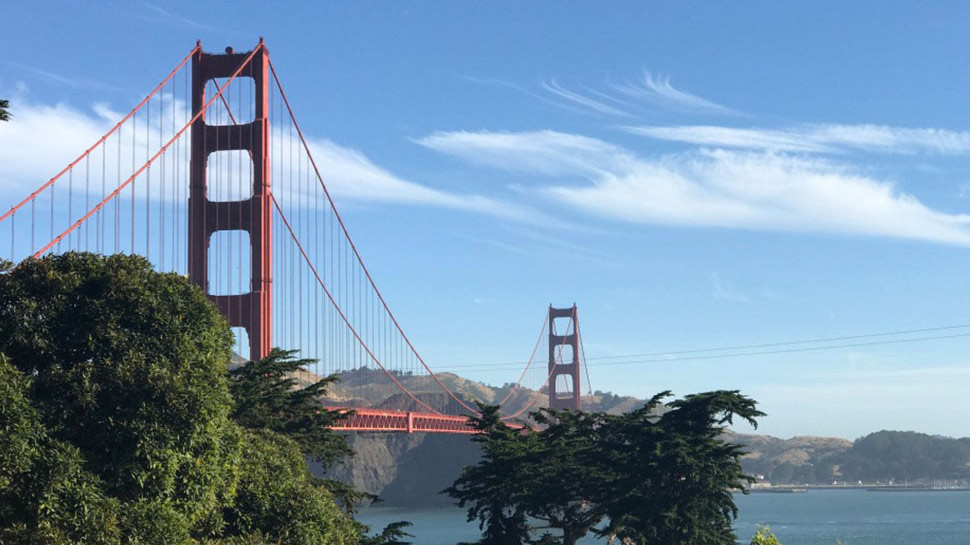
(253, 310)
(564, 390)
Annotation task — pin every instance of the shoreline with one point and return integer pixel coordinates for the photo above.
(797, 489)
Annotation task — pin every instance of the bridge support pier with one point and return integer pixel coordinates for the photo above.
(564, 393)
(252, 310)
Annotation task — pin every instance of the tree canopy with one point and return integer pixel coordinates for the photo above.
(120, 426)
(651, 477)
(267, 397)
(906, 455)
(127, 366)
(4, 113)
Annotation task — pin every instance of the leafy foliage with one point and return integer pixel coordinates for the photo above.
(276, 497)
(4, 113)
(905, 456)
(267, 397)
(393, 534)
(674, 473)
(46, 496)
(651, 478)
(127, 366)
(492, 489)
(764, 536)
(116, 415)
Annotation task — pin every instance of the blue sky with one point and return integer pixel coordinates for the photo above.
(691, 176)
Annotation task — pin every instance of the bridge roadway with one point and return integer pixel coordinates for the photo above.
(406, 421)
(374, 420)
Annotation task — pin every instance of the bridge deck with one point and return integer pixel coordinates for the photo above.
(403, 421)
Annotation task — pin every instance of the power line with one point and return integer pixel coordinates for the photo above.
(787, 343)
(787, 351)
(654, 359)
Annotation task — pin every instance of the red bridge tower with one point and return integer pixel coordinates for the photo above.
(252, 310)
(564, 391)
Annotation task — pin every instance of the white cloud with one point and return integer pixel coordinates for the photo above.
(597, 106)
(732, 189)
(545, 152)
(658, 90)
(349, 173)
(41, 139)
(817, 138)
(618, 100)
(165, 14)
(61, 79)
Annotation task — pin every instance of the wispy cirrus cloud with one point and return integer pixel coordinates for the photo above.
(598, 106)
(350, 174)
(76, 82)
(817, 138)
(617, 99)
(660, 91)
(549, 153)
(525, 90)
(755, 190)
(171, 16)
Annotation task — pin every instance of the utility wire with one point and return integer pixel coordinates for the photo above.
(787, 351)
(652, 357)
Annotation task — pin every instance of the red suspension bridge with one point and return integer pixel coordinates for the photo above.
(211, 176)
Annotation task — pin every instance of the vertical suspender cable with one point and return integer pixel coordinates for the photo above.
(117, 204)
(148, 183)
(161, 192)
(131, 212)
(104, 188)
(87, 203)
(70, 207)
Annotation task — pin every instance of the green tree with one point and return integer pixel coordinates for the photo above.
(4, 114)
(534, 483)
(674, 474)
(276, 497)
(565, 467)
(492, 489)
(392, 534)
(906, 455)
(117, 418)
(268, 397)
(128, 366)
(46, 496)
(653, 477)
(764, 536)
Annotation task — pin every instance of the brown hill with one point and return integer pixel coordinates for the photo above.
(413, 469)
(804, 459)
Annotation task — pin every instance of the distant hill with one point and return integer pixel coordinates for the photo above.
(413, 469)
(907, 456)
(883, 456)
(806, 459)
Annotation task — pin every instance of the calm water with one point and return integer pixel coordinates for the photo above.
(855, 517)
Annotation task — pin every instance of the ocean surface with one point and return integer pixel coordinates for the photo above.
(818, 517)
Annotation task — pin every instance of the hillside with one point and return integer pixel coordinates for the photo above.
(806, 459)
(413, 469)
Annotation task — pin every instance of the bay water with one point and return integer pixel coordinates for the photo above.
(818, 517)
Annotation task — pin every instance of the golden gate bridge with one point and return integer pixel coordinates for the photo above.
(212, 177)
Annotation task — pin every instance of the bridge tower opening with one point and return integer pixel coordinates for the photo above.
(252, 310)
(564, 388)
